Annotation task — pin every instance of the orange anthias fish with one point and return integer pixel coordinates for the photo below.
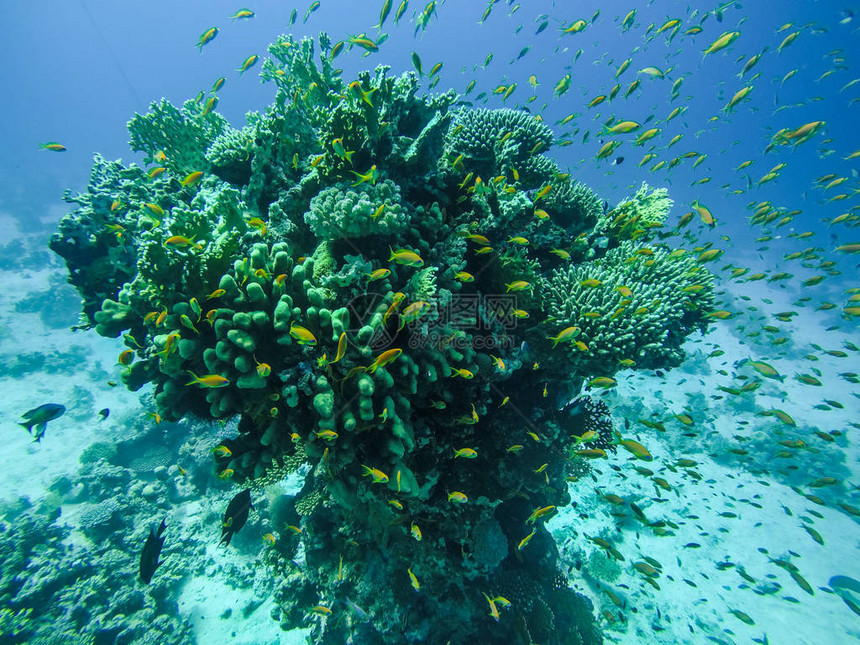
(208, 380)
(53, 146)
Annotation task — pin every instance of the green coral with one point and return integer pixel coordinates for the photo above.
(422, 286)
(229, 155)
(636, 217)
(182, 135)
(343, 211)
(14, 623)
(362, 331)
(647, 301)
(497, 142)
(574, 206)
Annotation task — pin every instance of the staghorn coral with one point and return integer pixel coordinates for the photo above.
(365, 347)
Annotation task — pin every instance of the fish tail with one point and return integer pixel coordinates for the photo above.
(27, 426)
(40, 431)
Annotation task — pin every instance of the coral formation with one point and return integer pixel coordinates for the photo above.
(635, 306)
(635, 216)
(397, 297)
(52, 591)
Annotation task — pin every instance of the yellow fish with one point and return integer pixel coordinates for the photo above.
(208, 380)
(248, 63)
(207, 37)
(569, 333)
(602, 382)
(376, 475)
(192, 178)
(221, 451)
(413, 580)
(522, 544)
(726, 39)
(302, 335)
(370, 176)
(406, 257)
(385, 358)
(517, 285)
(341, 347)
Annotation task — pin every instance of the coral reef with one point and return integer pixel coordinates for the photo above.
(498, 142)
(397, 298)
(635, 217)
(635, 306)
(53, 591)
(69, 564)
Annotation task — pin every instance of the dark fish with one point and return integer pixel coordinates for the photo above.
(151, 550)
(103, 413)
(838, 583)
(40, 416)
(618, 161)
(235, 516)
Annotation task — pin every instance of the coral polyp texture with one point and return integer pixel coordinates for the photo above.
(398, 297)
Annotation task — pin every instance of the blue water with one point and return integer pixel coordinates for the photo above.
(73, 526)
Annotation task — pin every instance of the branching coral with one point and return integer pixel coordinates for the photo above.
(372, 283)
(633, 307)
(180, 135)
(635, 217)
(342, 211)
(498, 142)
